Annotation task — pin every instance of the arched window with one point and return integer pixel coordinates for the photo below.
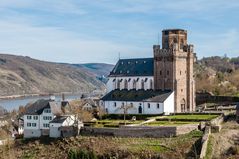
(134, 84)
(125, 84)
(151, 84)
(118, 84)
(142, 84)
(183, 105)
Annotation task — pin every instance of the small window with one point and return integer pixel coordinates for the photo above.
(149, 105)
(167, 72)
(45, 125)
(136, 62)
(115, 104)
(29, 124)
(35, 117)
(160, 72)
(131, 104)
(180, 72)
(34, 124)
(157, 106)
(29, 117)
(181, 90)
(144, 61)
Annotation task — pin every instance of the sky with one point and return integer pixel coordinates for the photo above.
(81, 31)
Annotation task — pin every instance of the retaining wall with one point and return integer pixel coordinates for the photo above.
(140, 131)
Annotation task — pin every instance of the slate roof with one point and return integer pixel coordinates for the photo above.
(38, 107)
(59, 119)
(133, 67)
(137, 95)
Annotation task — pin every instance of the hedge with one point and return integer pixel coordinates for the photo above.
(129, 116)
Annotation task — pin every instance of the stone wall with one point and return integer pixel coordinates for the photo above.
(140, 131)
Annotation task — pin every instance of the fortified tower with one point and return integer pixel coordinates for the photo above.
(173, 68)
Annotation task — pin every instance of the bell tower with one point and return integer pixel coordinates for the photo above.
(173, 68)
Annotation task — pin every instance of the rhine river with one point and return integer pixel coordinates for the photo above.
(11, 104)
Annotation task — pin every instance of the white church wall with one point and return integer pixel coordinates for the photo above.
(115, 107)
(169, 104)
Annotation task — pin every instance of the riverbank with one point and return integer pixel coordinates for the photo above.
(38, 95)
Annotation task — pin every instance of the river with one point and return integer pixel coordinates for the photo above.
(11, 104)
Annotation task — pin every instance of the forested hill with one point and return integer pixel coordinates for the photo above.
(219, 75)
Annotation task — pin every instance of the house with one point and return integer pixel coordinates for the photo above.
(88, 104)
(38, 116)
(162, 84)
(64, 126)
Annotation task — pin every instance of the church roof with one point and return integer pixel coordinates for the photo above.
(133, 67)
(137, 95)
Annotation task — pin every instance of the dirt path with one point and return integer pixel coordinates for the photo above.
(226, 140)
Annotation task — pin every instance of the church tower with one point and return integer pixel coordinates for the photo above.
(173, 68)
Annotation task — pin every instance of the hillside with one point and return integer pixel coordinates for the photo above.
(100, 70)
(24, 75)
(218, 75)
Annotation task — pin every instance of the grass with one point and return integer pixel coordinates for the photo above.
(112, 123)
(169, 123)
(209, 148)
(192, 117)
(108, 147)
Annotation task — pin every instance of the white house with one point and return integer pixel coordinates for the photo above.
(38, 116)
(131, 87)
(63, 126)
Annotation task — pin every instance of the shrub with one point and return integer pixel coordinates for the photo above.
(81, 154)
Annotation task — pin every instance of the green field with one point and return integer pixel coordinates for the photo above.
(196, 117)
(169, 123)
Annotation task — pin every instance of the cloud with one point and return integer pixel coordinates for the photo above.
(58, 45)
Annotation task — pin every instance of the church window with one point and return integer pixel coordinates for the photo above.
(149, 105)
(134, 84)
(118, 84)
(125, 84)
(151, 84)
(142, 84)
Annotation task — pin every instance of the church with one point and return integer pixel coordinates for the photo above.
(163, 84)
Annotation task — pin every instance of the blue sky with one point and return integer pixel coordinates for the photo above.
(79, 31)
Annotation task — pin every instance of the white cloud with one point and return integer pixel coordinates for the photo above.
(55, 44)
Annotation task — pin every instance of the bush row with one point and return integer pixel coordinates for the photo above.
(129, 116)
